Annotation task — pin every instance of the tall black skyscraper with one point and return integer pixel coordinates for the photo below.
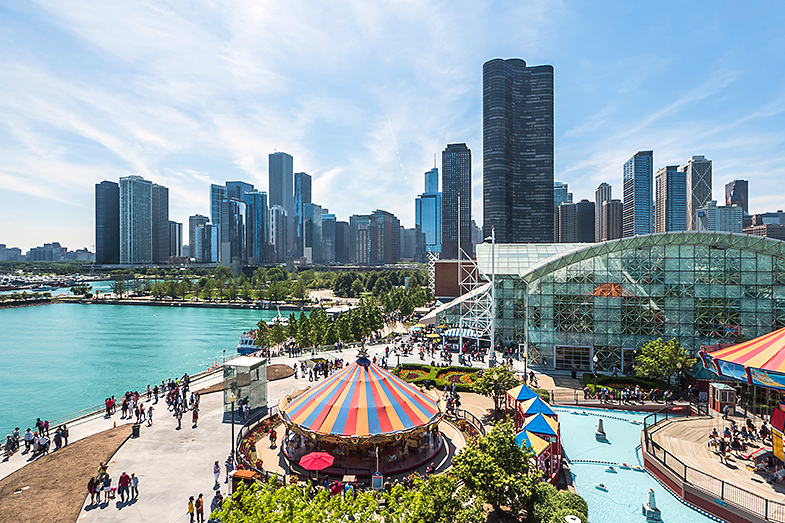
(281, 191)
(517, 151)
(302, 195)
(160, 224)
(107, 222)
(456, 180)
(737, 192)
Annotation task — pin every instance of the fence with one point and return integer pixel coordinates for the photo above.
(469, 417)
(719, 489)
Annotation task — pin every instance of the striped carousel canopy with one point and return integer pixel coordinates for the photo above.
(361, 400)
(758, 362)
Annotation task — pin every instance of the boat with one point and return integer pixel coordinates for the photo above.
(624, 466)
(600, 486)
(246, 344)
(283, 320)
(611, 469)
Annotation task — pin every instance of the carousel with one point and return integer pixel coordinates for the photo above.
(366, 418)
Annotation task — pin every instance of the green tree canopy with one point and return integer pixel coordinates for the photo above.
(495, 382)
(660, 360)
(496, 469)
(261, 337)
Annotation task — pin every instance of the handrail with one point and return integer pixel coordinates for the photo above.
(471, 418)
(728, 493)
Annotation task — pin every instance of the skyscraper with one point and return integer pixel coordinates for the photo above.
(175, 239)
(208, 243)
(638, 173)
(160, 224)
(342, 242)
(279, 221)
(217, 195)
(736, 193)
(698, 173)
(362, 237)
(670, 200)
(602, 193)
(561, 194)
(256, 227)
(193, 222)
(576, 222)
(236, 189)
(428, 217)
(456, 181)
(302, 195)
(233, 232)
(518, 151)
(612, 211)
(136, 220)
(281, 191)
(328, 237)
(107, 222)
(312, 233)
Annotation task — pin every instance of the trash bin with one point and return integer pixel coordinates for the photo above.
(135, 430)
(574, 374)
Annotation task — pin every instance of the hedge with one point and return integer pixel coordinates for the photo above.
(548, 505)
(620, 382)
(544, 394)
(431, 379)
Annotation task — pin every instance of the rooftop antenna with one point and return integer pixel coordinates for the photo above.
(434, 160)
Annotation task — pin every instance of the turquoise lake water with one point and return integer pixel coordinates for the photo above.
(58, 359)
(627, 489)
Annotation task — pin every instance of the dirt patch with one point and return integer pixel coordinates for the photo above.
(274, 372)
(279, 372)
(57, 483)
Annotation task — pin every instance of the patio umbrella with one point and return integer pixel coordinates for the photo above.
(316, 461)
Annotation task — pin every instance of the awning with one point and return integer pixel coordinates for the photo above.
(521, 393)
(760, 361)
(536, 406)
(526, 439)
(542, 425)
(460, 333)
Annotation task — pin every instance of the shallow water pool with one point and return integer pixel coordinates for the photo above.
(627, 488)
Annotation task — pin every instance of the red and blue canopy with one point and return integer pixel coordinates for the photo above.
(361, 400)
(758, 362)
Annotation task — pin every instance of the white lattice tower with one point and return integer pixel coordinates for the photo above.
(432, 258)
(476, 310)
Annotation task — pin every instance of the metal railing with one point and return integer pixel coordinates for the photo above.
(729, 493)
(469, 417)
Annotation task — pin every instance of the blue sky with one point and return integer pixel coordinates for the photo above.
(363, 94)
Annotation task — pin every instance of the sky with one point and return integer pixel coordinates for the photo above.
(364, 94)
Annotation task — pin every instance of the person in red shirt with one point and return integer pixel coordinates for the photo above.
(122, 486)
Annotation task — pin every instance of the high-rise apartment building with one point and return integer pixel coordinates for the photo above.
(575, 222)
(670, 199)
(175, 239)
(428, 217)
(342, 242)
(737, 193)
(601, 194)
(561, 194)
(362, 238)
(713, 217)
(328, 237)
(208, 243)
(237, 189)
(107, 222)
(256, 227)
(456, 190)
(136, 220)
(217, 195)
(612, 211)
(281, 191)
(698, 175)
(638, 174)
(160, 224)
(193, 222)
(312, 233)
(518, 151)
(279, 222)
(302, 195)
(233, 232)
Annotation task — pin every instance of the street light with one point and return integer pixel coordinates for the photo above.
(492, 353)
(596, 359)
(525, 364)
(678, 373)
(232, 399)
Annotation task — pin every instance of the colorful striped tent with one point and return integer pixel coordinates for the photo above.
(541, 425)
(521, 393)
(536, 406)
(758, 362)
(361, 400)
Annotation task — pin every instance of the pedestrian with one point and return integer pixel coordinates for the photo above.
(122, 486)
(273, 437)
(150, 416)
(28, 440)
(191, 509)
(216, 472)
(725, 411)
(217, 501)
(229, 467)
(195, 416)
(199, 508)
(92, 488)
(64, 432)
(179, 419)
(106, 486)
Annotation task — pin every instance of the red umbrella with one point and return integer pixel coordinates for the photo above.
(316, 461)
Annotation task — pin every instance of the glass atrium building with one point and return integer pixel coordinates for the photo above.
(563, 304)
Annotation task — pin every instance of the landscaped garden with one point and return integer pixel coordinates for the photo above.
(439, 377)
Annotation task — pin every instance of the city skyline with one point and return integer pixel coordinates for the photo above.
(205, 104)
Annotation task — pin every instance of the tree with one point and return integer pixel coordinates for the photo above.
(207, 288)
(303, 331)
(83, 289)
(184, 287)
(496, 469)
(660, 360)
(356, 289)
(119, 285)
(277, 333)
(276, 291)
(261, 337)
(495, 382)
(291, 327)
(245, 290)
(232, 291)
(298, 290)
(438, 499)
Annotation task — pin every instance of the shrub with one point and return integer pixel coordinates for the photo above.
(549, 505)
(544, 394)
(559, 515)
(432, 376)
(620, 382)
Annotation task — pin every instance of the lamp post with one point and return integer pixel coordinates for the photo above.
(492, 352)
(232, 399)
(594, 367)
(678, 374)
(525, 364)
(496, 390)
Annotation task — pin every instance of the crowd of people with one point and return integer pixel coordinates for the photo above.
(735, 439)
(100, 488)
(629, 395)
(38, 442)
